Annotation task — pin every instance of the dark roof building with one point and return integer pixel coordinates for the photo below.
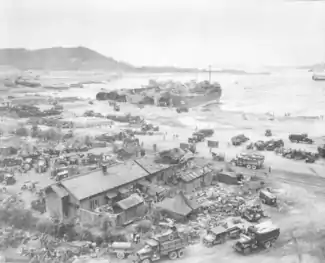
(96, 182)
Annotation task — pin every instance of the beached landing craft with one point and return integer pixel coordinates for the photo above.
(168, 94)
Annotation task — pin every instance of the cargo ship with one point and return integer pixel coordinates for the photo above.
(168, 94)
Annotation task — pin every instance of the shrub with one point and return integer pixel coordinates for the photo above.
(142, 210)
(144, 226)
(106, 224)
(46, 226)
(17, 217)
(50, 134)
(22, 131)
(83, 233)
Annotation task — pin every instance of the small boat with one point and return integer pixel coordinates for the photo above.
(317, 76)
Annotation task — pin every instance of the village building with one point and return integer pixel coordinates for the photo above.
(121, 189)
(92, 190)
(178, 207)
(193, 179)
(229, 177)
(159, 173)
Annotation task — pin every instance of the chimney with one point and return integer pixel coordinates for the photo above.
(104, 169)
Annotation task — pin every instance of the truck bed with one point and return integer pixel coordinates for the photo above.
(173, 245)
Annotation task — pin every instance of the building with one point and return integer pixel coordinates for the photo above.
(92, 190)
(177, 207)
(193, 179)
(159, 173)
(128, 209)
(228, 177)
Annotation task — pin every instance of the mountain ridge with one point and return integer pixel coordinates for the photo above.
(59, 58)
(82, 58)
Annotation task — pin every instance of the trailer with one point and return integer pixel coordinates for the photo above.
(121, 249)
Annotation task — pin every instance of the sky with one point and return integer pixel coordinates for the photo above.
(184, 33)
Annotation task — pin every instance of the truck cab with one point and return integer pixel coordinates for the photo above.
(150, 252)
(268, 198)
(214, 236)
(253, 213)
(196, 137)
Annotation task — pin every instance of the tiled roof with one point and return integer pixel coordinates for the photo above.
(95, 182)
(148, 163)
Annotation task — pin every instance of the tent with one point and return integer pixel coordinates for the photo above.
(177, 207)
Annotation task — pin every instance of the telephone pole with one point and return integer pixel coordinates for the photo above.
(210, 73)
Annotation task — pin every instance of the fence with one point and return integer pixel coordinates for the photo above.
(89, 217)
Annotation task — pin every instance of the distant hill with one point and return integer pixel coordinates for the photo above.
(81, 58)
(58, 58)
(313, 67)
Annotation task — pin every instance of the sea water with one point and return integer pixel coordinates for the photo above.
(280, 92)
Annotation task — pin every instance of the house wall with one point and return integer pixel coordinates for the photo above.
(192, 185)
(162, 176)
(54, 204)
(74, 205)
(129, 214)
(200, 182)
(208, 178)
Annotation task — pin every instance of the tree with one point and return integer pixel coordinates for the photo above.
(51, 134)
(22, 131)
(144, 226)
(35, 130)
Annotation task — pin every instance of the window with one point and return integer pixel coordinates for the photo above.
(94, 204)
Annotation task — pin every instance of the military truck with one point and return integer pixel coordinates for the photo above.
(268, 133)
(268, 198)
(206, 132)
(219, 234)
(300, 138)
(182, 109)
(170, 244)
(250, 161)
(196, 137)
(261, 236)
(252, 213)
(239, 139)
(321, 151)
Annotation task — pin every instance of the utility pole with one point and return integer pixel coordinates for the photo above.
(210, 73)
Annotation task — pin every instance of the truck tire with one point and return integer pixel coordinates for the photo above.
(120, 255)
(180, 253)
(267, 245)
(254, 167)
(248, 166)
(247, 251)
(146, 260)
(172, 255)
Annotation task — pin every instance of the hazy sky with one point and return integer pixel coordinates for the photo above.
(173, 32)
